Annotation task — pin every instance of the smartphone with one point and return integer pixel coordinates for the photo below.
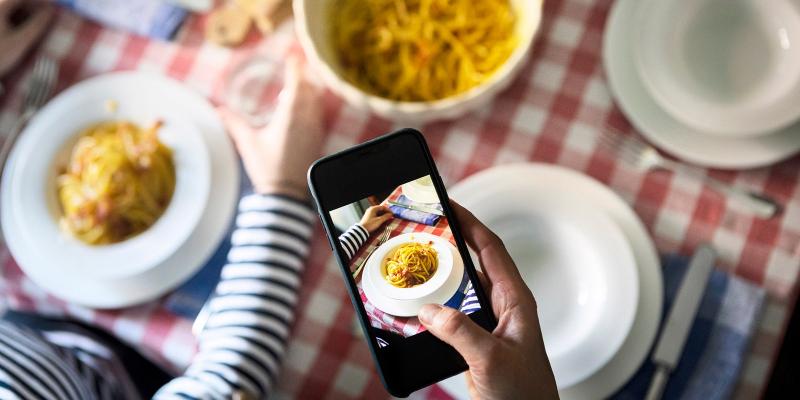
(391, 228)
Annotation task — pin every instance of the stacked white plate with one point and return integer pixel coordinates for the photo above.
(153, 262)
(713, 82)
(588, 260)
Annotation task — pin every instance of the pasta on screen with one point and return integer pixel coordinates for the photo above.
(411, 264)
(119, 180)
(422, 50)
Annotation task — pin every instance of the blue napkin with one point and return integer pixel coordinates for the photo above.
(414, 215)
(152, 18)
(718, 340)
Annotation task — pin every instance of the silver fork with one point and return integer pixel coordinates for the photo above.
(381, 240)
(644, 157)
(40, 85)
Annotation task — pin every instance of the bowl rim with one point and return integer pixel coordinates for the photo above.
(497, 81)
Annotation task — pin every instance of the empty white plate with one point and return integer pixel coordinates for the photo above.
(667, 132)
(559, 183)
(726, 67)
(577, 263)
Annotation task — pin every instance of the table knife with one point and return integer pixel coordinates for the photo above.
(681, 316)
(428, 210)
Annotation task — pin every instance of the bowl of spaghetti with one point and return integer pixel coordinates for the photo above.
(417, 60)
(410, 266)
(113, 193)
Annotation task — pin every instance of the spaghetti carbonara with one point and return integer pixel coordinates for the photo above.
(119, 180)
(420, 50)
(411, 264)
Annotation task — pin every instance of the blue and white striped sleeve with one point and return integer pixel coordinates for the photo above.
(243, 343)
(352, 239)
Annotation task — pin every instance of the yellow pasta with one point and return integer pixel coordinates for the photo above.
(421, 50)
(119, 180)
(411, 264)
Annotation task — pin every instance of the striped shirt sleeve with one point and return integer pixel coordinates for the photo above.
(243, 343)
(352, 239)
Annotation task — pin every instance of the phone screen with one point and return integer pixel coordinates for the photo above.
(394, 233)
(402, 254)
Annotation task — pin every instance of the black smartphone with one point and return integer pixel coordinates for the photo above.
(390, 225)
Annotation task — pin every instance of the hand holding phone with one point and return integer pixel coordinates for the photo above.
(511, 361)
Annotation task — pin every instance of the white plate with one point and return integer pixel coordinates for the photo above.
(668, 133)
(45, 267)
(577, 263)
(410, 307)
(421, 190)
(725, 67)
(561, 182)
(374, 270)
(44, 148)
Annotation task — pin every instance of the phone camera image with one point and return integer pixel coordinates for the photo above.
(402, 255)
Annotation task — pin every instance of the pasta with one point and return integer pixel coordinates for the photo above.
(118, 181)
(411, 264)
(421, 50)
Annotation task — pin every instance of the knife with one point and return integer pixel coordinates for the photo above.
(429, 210)
(681, 316)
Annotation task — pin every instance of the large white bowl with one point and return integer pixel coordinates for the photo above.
(725, 67)
(313, 29)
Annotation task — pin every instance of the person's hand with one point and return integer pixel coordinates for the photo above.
(21, 24)
(374, 217)
(511, 362)
(277, 157)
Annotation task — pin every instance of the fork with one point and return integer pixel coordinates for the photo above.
(645, 157)
(40, 86)
(381, 240)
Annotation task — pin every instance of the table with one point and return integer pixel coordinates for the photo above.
(379, 319)
(549, 114)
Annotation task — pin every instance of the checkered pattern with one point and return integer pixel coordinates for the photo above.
(379, 319)
(551, 114)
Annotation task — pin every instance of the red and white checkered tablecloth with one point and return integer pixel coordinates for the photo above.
(405, 326)
(550, 114)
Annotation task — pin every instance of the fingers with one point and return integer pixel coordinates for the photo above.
(457, 330)
(494, 257)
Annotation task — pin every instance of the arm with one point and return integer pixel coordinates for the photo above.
(241, 347)
(355, 236)
(243, 343)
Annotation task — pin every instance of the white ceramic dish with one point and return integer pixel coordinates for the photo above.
(313, 30)
(558, 182)
(421, 190)
(49, 268)
(411, 307)
(727, 67)
(668, 133)
(577, 263)
(375, 268)
(44, 148)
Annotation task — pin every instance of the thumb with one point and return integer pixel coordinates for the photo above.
(456, 329)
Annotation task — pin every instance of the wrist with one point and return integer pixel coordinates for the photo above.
(289, 188)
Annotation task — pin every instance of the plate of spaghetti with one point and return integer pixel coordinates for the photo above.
(431, 269)
(96, 200)
(410, 266)
(417, 59)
